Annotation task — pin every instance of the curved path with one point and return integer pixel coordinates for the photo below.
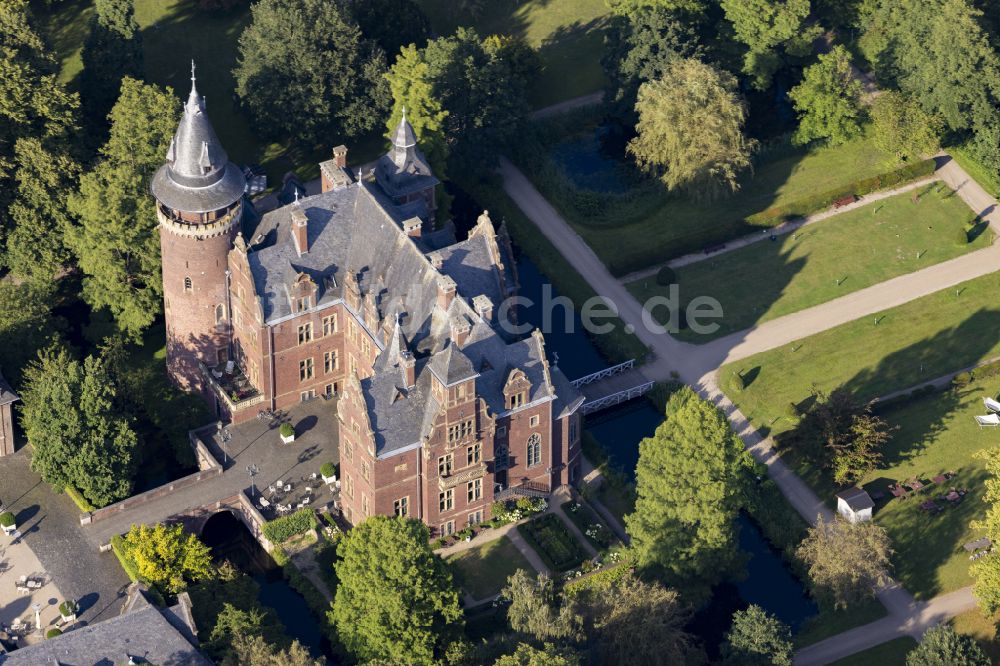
(698, 366)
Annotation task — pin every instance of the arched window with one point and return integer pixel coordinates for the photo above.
(187, 283)
(534, 449)
(220, 313)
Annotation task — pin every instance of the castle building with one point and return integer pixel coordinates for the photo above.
(351, 294)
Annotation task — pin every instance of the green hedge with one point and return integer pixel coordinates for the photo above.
(280, 530)
(823, 200)
(552, 541)
(81, 502)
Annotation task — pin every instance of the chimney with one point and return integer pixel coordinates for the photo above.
(436, 260)
(413, 226)
(340, 156)
(483, 307)
(409, 363)
(460, 328)
(445, 292)
(300, 230)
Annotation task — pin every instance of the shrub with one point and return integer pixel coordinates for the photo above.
(81, 502)
(962, 236)
(739, 380)
(666, 276)
(53, 632)
(328, 469)
(962, 379)
(283, 529)
(67, 608)
(286, 430)
(7, 519)
(987, 370)
(439, 543)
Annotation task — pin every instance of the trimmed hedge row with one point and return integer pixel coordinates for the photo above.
(281, 530)
(81, 502)
(553, 542)
(818, 202)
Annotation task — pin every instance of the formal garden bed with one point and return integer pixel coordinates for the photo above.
(483, 571)
(590, 525)
(646, 226)
(553, 542)
(825, 260)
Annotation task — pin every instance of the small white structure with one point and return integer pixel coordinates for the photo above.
(855, 505)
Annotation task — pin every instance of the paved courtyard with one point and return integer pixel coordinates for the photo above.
(255, 444)
(54, 546)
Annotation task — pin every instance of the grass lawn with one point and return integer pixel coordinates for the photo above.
(831, 622)
(824, 260)
(483, 571)
(915, 342)
(553, 542)
(648, 226)
(892, 653)
(985, 177)
(983, 629)
(569, 36)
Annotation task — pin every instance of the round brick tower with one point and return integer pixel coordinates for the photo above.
(200, 197)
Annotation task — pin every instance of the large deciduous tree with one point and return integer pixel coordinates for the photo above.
(168, 557)
(253, 650)
(305, 72)
(112, 51)
(396, 600)
(986, 570)
(72, 415)
(632, 7)
(943, 646)
(26, 325)
(689, 481)
(770, 29)
(828, 100)
(38, 136)
(467, 96)
(690, 129)
(902, 128)
(116, 243)
(548, 655)
(535, 609)
(392, 24)
(846, 562)
(757, 638)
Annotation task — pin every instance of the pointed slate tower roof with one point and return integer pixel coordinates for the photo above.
(404, 169)
(198, 176)
(451, 366)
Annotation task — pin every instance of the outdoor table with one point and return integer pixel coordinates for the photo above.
(953, 496)
(939, 479)
(897, 491)
(915, 485)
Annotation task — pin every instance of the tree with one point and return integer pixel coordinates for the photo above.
(828, 100)
(252, 650)
(846, 561)
(167, 556)
(632, 7)
(638, 48)
(548, 655)
(690, 129)
(986, 570)
(306, 73)
(466, 93)
(689, 481)
(868, 436)
(26, 324)
(902, 128)
(396, 600)
(768, 28)
(80, 435)
(942, 646)
(392, 24)
(535, 609)
(757, 638)
(112, 51)
(117, 244)
(640, 623)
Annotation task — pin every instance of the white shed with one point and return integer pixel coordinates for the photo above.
(855, 505)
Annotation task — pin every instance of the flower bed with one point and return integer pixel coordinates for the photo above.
(592, 527)
(511, 511)
(553, 542)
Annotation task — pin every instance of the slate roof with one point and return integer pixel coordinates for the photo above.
(143, 631)
(198, 176)
(404, 169)
(857, 499)
(7, 394)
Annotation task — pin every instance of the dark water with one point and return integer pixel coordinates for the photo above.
(589, 165)
(230, 540)
(619, 430)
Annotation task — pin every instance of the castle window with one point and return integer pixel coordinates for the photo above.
(447, 529)
(365, 470)
(305, 333)
(475, 490)
(446, 464)
(475, 517)
(446, 500)
(401, 507)
(474, 454)
(187, 283)
(220, 313)
(534, 450)
(364, 504)
(303, 304)
(459, 431)
(330, 361)
(306, 370)
(329, 324)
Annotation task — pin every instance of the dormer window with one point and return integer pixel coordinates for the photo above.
(303, 304)
(517, 389)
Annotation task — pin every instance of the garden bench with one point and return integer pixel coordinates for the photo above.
(845, 201)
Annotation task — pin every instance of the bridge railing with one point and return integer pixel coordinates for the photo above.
(616, 398)
(603, 374)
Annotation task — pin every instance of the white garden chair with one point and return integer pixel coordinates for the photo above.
(991, 404)
(988, 421)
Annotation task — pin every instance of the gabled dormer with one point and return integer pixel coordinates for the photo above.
(517, 389)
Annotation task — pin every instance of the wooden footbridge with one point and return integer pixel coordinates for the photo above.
(612, 386)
